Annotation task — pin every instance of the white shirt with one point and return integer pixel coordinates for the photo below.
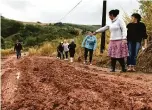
(117, 28)
(65, 46)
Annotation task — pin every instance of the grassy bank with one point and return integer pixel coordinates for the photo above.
(6, 52)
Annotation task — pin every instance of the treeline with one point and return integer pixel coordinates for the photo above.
(36, 34)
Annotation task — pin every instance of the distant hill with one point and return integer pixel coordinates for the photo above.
(35, 33)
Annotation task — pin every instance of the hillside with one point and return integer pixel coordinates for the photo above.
(32, 34)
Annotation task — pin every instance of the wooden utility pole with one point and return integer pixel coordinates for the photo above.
(102, 47)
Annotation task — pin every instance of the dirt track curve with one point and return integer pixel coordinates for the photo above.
(45, 83)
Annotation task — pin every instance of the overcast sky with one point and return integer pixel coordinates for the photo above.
(47, 11)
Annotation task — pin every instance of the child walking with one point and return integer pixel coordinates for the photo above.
(66, 49)
(60, 51)
(72, 47)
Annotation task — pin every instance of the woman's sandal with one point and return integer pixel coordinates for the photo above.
(133, 70)
(129, 69)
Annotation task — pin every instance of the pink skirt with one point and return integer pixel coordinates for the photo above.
(118, 49)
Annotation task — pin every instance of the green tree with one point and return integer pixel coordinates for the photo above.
(31, 41)
(146, 12)
(10, 27)
(2, 43)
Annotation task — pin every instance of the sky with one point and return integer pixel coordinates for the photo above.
(51, 11)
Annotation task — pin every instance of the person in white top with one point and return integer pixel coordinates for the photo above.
(118, 49)
(66, 49)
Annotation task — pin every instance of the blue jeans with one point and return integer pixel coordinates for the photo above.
(134, 48)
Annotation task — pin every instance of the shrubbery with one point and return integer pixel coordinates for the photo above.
(36, 34)
(31, 41)
(10, 27)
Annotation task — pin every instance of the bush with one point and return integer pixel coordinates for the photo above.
(33, 51)
(32, 28)
(36, 34)
(2, 43)
(9, 44)
(144, 62)
(46, 49)
(31, 41)
(5, 52)
(46, 37)
(74, 32)
(16, 37)
(38, 22)
(10, 27)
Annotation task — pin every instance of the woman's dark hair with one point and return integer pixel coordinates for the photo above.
(91, 31)
(114, 12)
(137, 16)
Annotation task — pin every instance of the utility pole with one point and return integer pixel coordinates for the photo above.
(102, 47)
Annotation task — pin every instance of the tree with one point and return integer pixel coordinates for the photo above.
(146, 10)
(144, 58)
(10, 27)
(30, 41)
(2, 43)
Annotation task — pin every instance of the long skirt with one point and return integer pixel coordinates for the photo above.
(118, 49)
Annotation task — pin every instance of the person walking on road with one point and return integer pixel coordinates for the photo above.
(72, 47)
(135, 34)
(66, 49)
(118, 49)
(18, 48)
(89, 43)
(60, 51)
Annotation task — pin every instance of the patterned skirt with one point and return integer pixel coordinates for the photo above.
(118, 49)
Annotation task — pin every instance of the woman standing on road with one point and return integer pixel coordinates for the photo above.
(135, 34)
(118, 49)
(72, 47)
(66, 49)
(89, 43)
(60, 51)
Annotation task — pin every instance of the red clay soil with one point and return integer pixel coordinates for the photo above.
(41, 83)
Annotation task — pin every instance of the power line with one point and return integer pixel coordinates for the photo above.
(70, 10)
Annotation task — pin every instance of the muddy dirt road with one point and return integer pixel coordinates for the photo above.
(45, 83)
